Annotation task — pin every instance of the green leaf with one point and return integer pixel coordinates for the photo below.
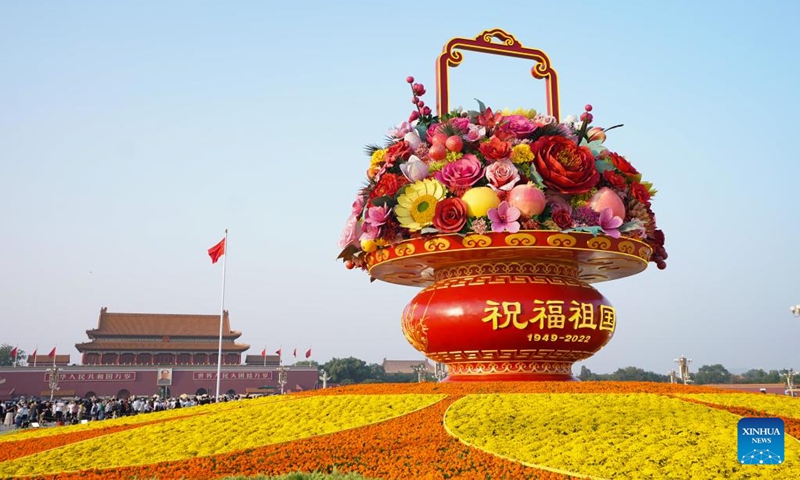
(481, 106)
(603, 165)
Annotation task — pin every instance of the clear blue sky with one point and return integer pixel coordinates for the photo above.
(133, 133)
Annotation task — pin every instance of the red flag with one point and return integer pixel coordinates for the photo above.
(278, 351)
(52, 353)
(33, 355)
(217, 251)
(295, 352)
(264, 352)
(13, 352)
(308, 353)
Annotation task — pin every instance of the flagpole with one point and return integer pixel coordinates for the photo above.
(35, 352)
(222, 314)
(16, 355)
(55, 352)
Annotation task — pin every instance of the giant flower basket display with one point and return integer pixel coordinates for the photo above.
(505, 219)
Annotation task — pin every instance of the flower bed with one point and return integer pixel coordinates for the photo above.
(219, 432)
(396, 431)
(628, 436)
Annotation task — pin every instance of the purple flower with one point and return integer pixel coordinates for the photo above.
(464, 172)
(610, 223)
(414, 169)
(504, 218)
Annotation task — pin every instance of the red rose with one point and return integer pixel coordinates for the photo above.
(563, 165)
(615, 179)
(400, 149)
(388, 185)
(495, 149)
(640, 192)
(622, 164)
(450, 215)
(562, 218)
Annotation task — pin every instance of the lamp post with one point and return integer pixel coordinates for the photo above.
(53, 381)
(323, 375)
(440, 371)
(789, 374)
(683, 368)
(673, 375)
(282, 377)
(420, 371)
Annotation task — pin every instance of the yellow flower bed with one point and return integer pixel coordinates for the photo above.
(610, 435)
(133, 420)
(782, 406)
(219, 432)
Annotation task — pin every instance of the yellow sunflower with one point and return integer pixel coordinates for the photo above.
(417, 205)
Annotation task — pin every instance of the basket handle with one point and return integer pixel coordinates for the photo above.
(507, 45)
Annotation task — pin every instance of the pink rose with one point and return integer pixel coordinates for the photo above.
(475, 133)
(461, 123)
(377, 216)
(502, 175)
(517, 125)
(463, 173)
(352, 230)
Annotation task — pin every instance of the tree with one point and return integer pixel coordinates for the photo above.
(636, 374)
(758, 375)
(347, 370)
(6, 360)
(306, 363)
(587, 374)
(708, 374)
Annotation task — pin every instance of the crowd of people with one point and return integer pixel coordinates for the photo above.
(22, 414)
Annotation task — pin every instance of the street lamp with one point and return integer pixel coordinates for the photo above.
(683, 368)
(673, 375)
(53, 380)
(440, 371)
(323, 375)
(795, 309)
(282, 377)
(420, 371)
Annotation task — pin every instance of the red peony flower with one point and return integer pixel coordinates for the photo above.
(563, 165)
(495, 149)
(388, 185)
(640, 193)
(562, 218)
(622, 165)
(615, 179)
(400, 150)
(450, 215)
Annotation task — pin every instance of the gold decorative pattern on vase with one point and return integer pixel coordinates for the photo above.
(382, 255)
(482, 368)
(599, 243)
(521, 240)
(415, 331)
(476, 241)
(404, 249)
(437, 244)
(523, 355)
(569, 270)
(561, 240)
(645, 252)
(626, 247)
